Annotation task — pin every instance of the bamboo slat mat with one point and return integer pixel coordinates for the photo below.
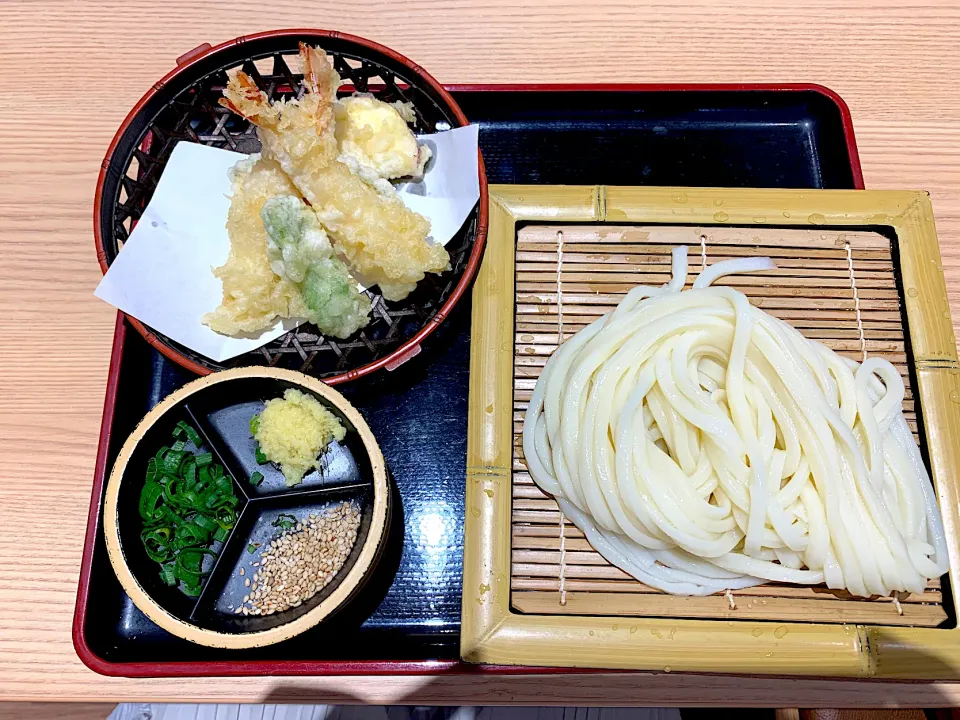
(811, 289)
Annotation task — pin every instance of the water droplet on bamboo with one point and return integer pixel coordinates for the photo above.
(721, 216)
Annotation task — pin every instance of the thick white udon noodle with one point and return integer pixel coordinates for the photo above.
(702, 445)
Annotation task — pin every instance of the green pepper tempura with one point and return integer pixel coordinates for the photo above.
(299, 250)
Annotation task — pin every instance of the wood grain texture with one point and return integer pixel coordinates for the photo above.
(55, 711)
(69, 72)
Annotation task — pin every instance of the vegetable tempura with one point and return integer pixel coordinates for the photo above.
(299, 250)
(295, 239)
(383, 241)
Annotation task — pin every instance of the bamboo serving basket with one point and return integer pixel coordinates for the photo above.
(858, 271)
(184, 107)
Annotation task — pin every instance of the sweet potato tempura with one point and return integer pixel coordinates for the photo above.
(383, 242)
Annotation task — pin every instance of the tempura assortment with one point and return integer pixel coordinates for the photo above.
(316, 213)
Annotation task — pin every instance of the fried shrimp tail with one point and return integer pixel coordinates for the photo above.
(243, 97)
(318, 72)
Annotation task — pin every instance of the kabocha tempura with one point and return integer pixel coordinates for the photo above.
(382, 241)
(376, 143)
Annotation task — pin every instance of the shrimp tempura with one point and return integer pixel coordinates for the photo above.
(383, 241)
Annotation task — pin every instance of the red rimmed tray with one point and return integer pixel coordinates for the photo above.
(761, 135)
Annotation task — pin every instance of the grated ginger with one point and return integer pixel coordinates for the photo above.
(293, 430)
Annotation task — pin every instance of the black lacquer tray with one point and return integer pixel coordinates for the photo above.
(791, 136)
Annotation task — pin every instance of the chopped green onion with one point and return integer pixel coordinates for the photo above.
(227, 517)
(149, 497)
(254, 424)
(166, 574)
(285, 521)
(260, 457)
(189, 535)
(151, 469)
(189, 470)
(172, 460)
(251, 548)
(256, 479)
(157, 544)
(206, 523)
(187, 502)
(185, 429)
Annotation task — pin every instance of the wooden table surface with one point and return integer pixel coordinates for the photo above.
(70, 71)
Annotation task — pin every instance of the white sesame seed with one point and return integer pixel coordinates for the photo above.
(303, 559)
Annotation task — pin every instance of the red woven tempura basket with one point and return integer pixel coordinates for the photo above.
(183, 107)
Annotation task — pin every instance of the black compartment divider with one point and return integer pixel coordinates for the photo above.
(295, 498)
(212, 442)
(216, 580)
(207, 611)
(225, 588)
